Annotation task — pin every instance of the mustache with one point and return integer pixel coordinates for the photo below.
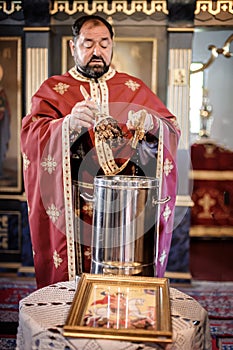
(94, 57)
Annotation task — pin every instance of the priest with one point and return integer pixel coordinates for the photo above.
(91, 121)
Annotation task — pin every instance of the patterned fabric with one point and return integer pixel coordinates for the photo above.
(43, 314)
(51, 162)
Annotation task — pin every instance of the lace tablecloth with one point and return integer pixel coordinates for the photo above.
(43, 313)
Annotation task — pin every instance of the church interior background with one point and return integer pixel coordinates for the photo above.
(171, 37)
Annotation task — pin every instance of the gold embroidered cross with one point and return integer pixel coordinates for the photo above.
(61, 88)
(133, 85)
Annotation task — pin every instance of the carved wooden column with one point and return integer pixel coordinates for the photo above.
(36, 65)
(37, 28)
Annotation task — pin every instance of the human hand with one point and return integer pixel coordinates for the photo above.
(83, 114)
(140, 120)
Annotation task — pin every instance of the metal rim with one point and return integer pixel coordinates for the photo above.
(126, 181)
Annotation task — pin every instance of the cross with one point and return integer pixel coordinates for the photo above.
(206, 202)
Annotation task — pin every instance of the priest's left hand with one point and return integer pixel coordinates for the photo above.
(141, 120)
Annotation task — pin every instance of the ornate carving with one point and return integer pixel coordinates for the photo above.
(205, 10)
(213, 12)
(213, 7)
(9, 9)
(109, 9)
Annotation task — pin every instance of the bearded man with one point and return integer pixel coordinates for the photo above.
(91, 121)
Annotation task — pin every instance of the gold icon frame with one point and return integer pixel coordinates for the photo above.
(111, 296)
(11, 83)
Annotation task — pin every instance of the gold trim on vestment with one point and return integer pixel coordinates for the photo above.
(68, 205)
(106, 158)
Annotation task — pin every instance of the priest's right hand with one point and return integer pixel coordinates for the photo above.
(83, 115)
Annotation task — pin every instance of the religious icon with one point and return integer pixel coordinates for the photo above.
(129, 308)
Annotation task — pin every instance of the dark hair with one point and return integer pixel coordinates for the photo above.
(94, 18)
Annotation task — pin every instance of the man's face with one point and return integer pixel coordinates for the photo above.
(92, 50)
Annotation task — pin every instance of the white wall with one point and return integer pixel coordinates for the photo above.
(219, 82)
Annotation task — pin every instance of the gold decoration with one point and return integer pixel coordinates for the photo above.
(205, 116)
(107, 130)
(57, 260)
(61, 88)
(133, 85)
(108, 135)
(49, 164)
(26, 161)
(53, 212)
(121, 6)
(88, 209)
(116, 294)
(206, 202)
(139, 131)
(225, 51)
(10, 7)
(211, 175)
(213, 7)
(106, 159)
(210, 231)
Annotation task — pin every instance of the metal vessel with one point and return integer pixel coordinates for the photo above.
(124, 225)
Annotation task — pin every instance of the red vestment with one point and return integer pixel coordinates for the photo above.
(47, 155)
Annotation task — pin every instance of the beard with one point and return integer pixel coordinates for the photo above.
(93, 71)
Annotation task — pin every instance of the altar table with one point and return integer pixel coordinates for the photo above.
(43, 314)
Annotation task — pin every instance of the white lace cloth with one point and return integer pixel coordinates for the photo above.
(43, 313)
